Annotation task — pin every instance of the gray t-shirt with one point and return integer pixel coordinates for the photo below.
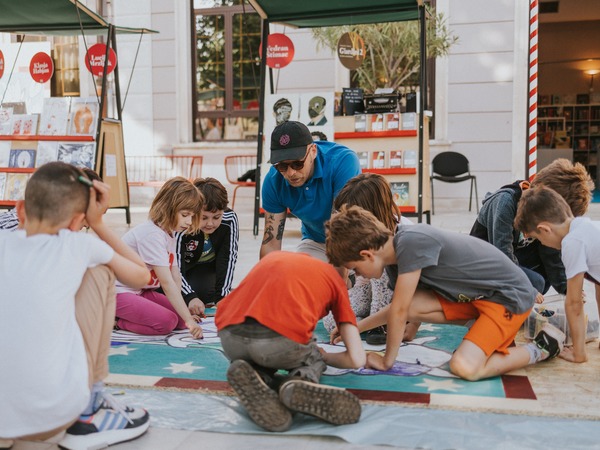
(461, 268)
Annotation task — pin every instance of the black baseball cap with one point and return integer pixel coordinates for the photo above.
(289, 141)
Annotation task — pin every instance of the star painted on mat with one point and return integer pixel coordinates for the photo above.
(428, 327)
(121, 350)
(435, 385)
(187, 367)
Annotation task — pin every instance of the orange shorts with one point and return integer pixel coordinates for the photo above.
(495, 327)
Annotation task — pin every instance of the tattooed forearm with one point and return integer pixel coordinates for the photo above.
(268, 236)
(280, 229)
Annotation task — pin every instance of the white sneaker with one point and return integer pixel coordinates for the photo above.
(109, 424)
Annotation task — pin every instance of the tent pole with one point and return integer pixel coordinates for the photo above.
(117, 83)
(261, 116)
(422, 96)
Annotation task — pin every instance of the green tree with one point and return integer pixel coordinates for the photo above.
(392, 49)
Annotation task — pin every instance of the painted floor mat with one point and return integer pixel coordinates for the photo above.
(420, 374)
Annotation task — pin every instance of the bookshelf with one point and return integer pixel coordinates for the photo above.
(574, 126)
(13, 179)
(404, 179)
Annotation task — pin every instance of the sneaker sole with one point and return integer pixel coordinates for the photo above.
(261, 402)
(547, 334)
(331, 404)
(102, 439)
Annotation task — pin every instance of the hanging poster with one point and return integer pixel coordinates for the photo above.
(280, 51)
(351, 50)
(41, 67)
(95, 56)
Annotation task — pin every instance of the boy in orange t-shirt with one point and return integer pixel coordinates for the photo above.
(267, 324)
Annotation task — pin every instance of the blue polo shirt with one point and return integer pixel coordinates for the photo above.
(312, 202)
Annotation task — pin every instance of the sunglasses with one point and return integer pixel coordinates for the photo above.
(295, 165)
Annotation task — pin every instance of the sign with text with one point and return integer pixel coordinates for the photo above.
(280, 51)
(95, 56)
(351, 50)
(41, 67)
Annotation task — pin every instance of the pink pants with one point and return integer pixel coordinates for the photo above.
(149, 313)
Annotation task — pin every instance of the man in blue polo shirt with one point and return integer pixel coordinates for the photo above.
(305, 178)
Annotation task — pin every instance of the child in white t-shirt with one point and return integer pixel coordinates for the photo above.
(544, 215)
(60, 283)
(176, 208)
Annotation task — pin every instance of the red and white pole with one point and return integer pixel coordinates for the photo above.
(533, 88)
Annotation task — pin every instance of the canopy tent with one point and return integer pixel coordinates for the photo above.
(58, 17)
(320, 13)
(64, 18)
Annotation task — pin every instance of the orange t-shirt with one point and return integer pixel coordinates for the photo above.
(288, 293)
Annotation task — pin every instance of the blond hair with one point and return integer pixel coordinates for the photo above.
(540, 204)
(176, 195)
(352, 230)
(571, 181)
(371, 192)
(54, 194)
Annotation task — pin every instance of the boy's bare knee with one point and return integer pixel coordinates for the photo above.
(463, 368)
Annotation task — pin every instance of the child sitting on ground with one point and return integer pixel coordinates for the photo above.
(175, 209)
(207, 258)
(494, 224)
(442, 277)
(371, 192)
(61, 283)
(267, 324)
(544, 215)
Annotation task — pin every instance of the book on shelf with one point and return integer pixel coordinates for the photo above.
(583, 99)
(18, 107)
(360, 122)
(79, 154)
(4, 153)
(47, 151)
(400, 192)
(15, 186)
(2, 184)
(396, 159)
(391, 121)
(376, 121)
(378, 159)
(6, 120)
(363, 159)
(25, 124)
(83, 117)
(544, 100)
(22, 158)
(409, 121)
(353, 101)
(409, 159)
(55, 116)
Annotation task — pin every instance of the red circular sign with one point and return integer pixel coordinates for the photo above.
(94, 59)
(41, 67)
(1, 64)
(280, 51)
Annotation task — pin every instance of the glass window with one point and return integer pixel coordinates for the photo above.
(227, 70)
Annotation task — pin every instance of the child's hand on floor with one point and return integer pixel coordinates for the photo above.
(375, 361)
(195, 329)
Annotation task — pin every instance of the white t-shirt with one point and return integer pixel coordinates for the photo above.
(155, 247)
(43, 363)
(580, 248)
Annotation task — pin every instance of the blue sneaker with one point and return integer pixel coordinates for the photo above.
(109, 424)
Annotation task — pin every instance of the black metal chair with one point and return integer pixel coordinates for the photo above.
(452, 167)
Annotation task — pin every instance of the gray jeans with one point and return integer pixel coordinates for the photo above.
(269, 351)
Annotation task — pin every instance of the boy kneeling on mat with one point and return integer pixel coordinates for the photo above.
(442, 277)
(267, 324)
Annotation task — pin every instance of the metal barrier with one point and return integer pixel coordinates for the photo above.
(153, 171)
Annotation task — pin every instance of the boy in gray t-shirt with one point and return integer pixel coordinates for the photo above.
(442, 277)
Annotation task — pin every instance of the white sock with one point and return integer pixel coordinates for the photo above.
(97, 388)
(535, 353)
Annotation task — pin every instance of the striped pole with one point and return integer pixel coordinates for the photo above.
(533, 88)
